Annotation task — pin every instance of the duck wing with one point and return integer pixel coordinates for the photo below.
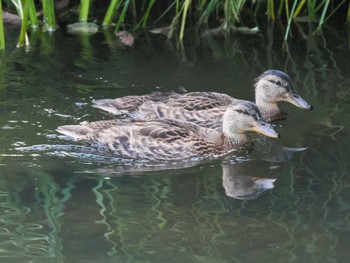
(162, 139)
(123, 105)
(208, 118)
(194, 101)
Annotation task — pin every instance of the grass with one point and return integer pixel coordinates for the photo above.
(182, 14)
(112, 9)
(23, 37)
(49, 15)
(2, 33)
(84, 10)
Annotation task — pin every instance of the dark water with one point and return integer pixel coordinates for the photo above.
(63, 203)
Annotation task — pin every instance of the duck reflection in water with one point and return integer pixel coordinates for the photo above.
(239, 183)
(247, 180)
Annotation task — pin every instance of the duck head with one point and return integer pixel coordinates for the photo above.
(274, 86)
(242, 117)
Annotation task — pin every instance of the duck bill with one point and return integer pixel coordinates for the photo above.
(265, 129)
(298, 101)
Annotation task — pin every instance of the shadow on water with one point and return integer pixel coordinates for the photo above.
(275, 204)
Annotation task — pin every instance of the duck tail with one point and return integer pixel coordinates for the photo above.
(76, 132)
(110, 105)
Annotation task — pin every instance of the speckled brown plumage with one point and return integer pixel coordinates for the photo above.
(271, 87)
(170, 139)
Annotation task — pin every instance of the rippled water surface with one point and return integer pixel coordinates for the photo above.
(63, 202)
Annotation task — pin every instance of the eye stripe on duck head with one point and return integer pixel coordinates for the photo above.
(249, 109)
(278, 78)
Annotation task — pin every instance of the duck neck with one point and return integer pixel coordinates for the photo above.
(267, 106)
(268, 109)
(232, 135)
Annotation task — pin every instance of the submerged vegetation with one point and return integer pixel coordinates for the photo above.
(171, 17)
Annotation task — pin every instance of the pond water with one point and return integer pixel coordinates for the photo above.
(60, 202)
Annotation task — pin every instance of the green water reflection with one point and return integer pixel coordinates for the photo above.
(63, 206)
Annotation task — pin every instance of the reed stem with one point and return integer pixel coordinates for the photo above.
(144, 19)
(290, 20)
(32, 15)
(49, 14)
(122, 15)
(23, 38)
(298, 9)
(84, 10)
(112, 8)
(270, 9)
(184, 15)
(2, 33)
(323, 14)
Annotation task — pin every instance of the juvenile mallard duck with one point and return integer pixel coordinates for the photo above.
(207, 118)
(271, 87)
(172, 140)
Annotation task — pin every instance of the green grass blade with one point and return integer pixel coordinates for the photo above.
(323, 14)
(280, 8)
(144, 19)
(298, 9)
(165, 12)
(184, 15)
(33, 15)
(208, 11)
(290, 20)
(49, 14)
(334, 10)
(270, 9)
(84, 10)
(112, 8)
(23, 38)
(122, 15)
(311, 7)
(2, 33)
(287, 9)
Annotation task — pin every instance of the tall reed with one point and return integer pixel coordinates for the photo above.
(290, 20)
(33, 16)
(2, 33)
(112, 9)
(49, 14)
(84, 10)
(122, 15)
(23, 37)
(186, 13)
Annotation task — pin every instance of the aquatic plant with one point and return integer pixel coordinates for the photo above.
(84, 10)
(180, 15)
(2, 34)
(49, 14)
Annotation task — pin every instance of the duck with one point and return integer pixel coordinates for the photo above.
(271, 87)
(171, 139)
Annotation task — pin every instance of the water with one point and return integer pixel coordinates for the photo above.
(61, 202)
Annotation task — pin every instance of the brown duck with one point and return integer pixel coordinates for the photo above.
(173, 140)
(271, 87)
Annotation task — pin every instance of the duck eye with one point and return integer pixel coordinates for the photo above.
(276, 82)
